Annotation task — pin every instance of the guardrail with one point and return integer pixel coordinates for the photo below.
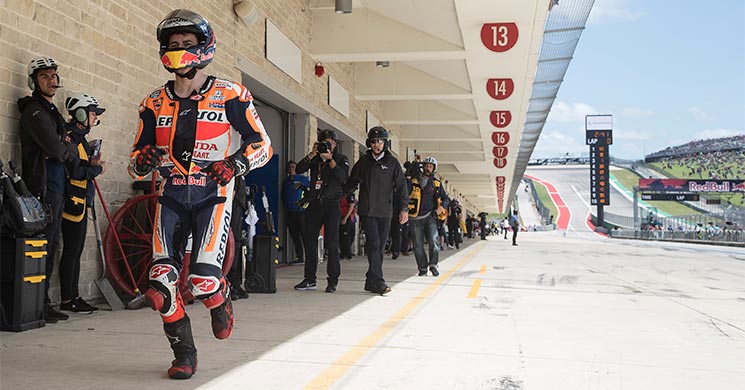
(729, 237)
(544, 211)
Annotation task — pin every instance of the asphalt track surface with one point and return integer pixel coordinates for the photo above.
(572, 311)
(569, 186)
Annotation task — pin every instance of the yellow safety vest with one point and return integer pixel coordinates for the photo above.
(415, 197)
(76, 192)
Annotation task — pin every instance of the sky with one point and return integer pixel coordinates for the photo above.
(669, 72)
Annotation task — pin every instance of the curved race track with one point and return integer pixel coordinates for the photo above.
(569, 186)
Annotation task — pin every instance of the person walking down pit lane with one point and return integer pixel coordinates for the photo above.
(199, 132)
(379, 176)
(427, 198)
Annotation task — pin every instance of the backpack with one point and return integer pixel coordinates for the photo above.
(514, 223)
(21, 212)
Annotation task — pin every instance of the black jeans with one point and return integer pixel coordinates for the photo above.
(453, 234)
(73, 237)
(55, 202)
(376, 233)
(514, 234)
(346, 236)
(395, 236)
(328, 215)
(295, 226)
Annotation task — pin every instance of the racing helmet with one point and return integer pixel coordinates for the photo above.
(430, 160)
(378, 132)
(37, 64)
(197, 56)
(80, 104)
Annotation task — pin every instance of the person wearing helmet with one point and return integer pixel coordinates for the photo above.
(427, 199)
(45, 149)
(201, 134)
(84, 112)
(379, 176)
(328, 171)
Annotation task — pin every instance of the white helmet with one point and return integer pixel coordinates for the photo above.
(431, 160)
(37, 64)
(40, 63)
(79, 104)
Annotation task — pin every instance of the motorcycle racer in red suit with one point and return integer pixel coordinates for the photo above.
(199, 132)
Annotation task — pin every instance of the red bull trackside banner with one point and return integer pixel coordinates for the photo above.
(674, 186)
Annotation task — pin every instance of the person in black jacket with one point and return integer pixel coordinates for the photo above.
(45, 149)
(79, 195)
(379, 176)
(328, 170)
(454, 218)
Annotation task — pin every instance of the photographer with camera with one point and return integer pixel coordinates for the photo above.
(328, 170)
(427, 199)
(379, 176)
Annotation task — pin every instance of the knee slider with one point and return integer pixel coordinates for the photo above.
(208, 289)
(161, 295)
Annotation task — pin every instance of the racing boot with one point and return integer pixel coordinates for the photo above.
(221, 311)
(182, 343)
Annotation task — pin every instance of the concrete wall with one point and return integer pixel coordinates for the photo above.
(108, 49)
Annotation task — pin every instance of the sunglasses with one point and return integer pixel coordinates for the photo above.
(377, 141)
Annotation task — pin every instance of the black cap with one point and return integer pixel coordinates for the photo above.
(325, 134)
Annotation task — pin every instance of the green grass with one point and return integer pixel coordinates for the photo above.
(630, 179)
(545, 198)
(680, 172)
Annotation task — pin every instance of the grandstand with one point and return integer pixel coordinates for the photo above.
(724, 144)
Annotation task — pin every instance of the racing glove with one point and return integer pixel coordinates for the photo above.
(147, 158)
(223, 171)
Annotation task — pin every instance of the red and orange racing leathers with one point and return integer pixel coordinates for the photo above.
(214, 123)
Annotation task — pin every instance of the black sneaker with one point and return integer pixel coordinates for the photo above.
(51, 313)
(394, 256)
(331, 287)
(422, 272)
(305, 285)
(78, 305)
(368, 286)
(383, 289)
(48, 317)
(433, 269)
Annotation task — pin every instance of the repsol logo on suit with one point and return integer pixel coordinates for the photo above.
(211, 116)
(164, 121)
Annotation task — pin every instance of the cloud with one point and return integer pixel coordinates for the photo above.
(623, 10)
(570, 113)
(699, 113)
(638, 112)
(718, 133)
(554, 143)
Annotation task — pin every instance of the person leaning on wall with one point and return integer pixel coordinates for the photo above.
(84, 111)
(45, 149)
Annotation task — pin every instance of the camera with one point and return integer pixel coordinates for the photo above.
(324, 147)
(413, 169)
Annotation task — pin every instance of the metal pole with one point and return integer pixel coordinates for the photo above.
(636, 208)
